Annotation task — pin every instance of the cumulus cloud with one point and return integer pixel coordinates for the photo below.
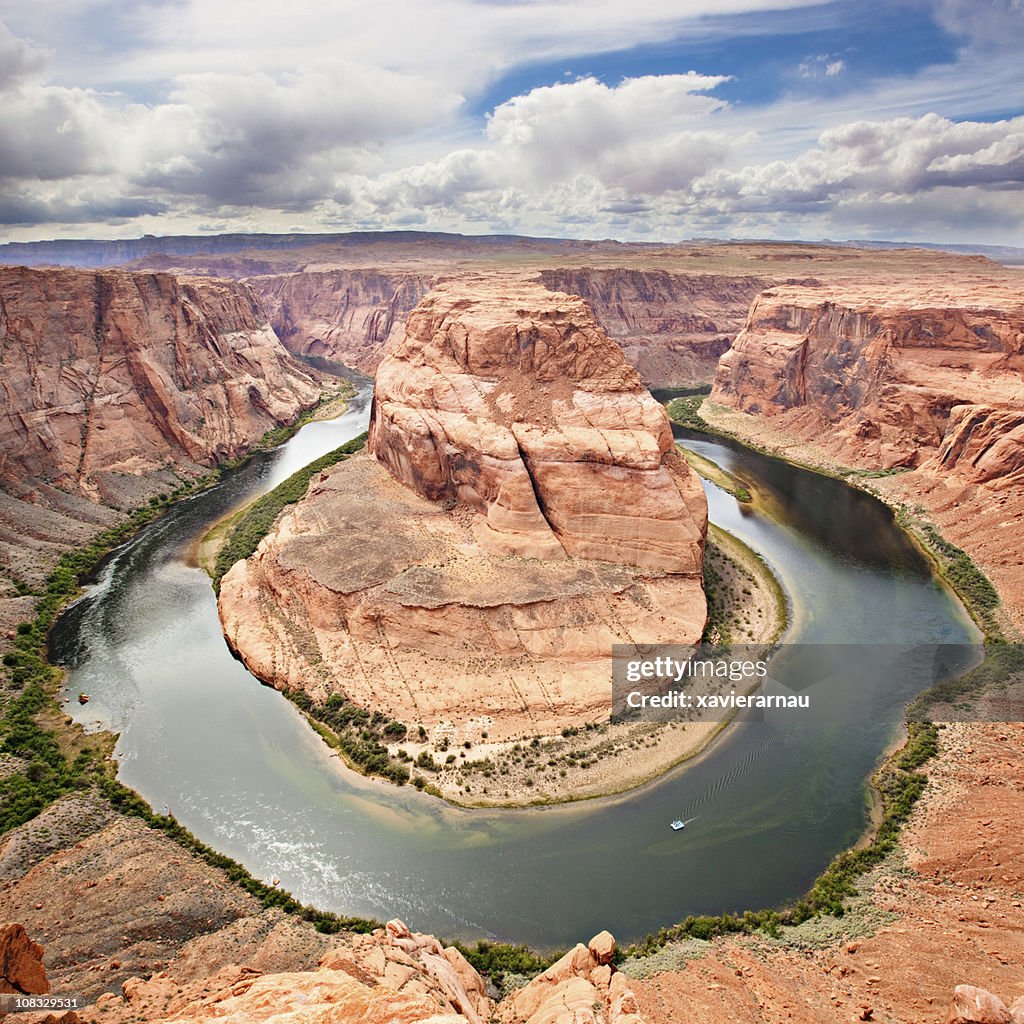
(886, 173)
(638, 134)
(241, 139)
(643, 136)
(19, 61)
(246, 136)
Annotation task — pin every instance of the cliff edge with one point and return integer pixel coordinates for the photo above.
(918, 381)
(116, 386)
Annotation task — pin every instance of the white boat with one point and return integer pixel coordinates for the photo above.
(678, 824)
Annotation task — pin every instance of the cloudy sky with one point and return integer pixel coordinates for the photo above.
(631, 119)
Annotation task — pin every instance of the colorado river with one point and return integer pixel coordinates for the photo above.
(236, 763)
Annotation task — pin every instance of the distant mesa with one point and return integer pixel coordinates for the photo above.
(520, 508)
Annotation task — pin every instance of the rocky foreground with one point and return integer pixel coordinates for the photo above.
(520, 509)
(182, 943)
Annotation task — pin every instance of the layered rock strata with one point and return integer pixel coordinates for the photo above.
(516, 403)
(888, 376)
(672, 327)
(521, 509)
(21, 962)
(923, 378)
(115, 385)
(347, 316)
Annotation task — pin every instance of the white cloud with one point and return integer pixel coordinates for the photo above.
(230, 113)
(252, 139)
(824, 64)
(18, 59)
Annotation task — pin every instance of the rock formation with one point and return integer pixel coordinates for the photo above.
(393, 976)
(888, 375)
(515, 402)
(21, 962)
(115, 385)
(972, 1005)
(346, 316)
(582, 987)
(672, 327)
(533, 513)
(922, 375)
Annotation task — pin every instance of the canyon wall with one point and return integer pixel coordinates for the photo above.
(346, 316)
(922, 377)
(521, 509)
(672, 327)
(115, 386)
(886, 369)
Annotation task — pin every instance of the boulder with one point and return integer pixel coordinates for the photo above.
(972, 1005)
(21, 962)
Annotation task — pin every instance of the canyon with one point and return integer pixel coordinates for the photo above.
(118, 387)
(181, 942)
(521, 507)
(672, 327)
(899, 370)
(920, 381)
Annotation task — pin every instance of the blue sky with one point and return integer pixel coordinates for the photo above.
(766, 57)
(656, 119)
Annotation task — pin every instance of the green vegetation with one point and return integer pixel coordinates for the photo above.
(973, 586)
(276, 436)
(686, 412)
(258, 518)
(356, 733)
(900, 785)
(48, 774)
(1002, 663)
(496, 959)
(957, 568)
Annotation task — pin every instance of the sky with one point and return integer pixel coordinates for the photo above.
(650, 120)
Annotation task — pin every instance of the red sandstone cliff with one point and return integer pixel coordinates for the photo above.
(891, 371)
(533, 512)
(347, 316)
(924, 373)
(671, 326)
(115, 385)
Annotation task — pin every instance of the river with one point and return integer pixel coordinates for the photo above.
(237, 764)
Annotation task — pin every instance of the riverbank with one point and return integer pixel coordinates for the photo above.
(207, 548)
(164, 881)
(472, 767)
(942, 908)
(48, 754)
(600, 759)
(927, 512)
